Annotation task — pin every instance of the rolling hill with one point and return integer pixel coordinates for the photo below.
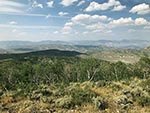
(44, 53)
(124, 55)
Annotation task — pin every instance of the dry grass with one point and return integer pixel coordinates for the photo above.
(109, 93)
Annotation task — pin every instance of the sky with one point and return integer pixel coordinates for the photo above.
(66, 20)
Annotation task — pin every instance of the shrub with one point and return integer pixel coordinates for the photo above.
(145, 84)
(64, 102)
(144, 100)
(80, 93)
(81, 96)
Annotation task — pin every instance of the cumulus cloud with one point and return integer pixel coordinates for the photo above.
(140, 21)
(50, 3)
(68, 2)
(94, 6)
(86, 22)
(85, 18)
(141, 9)
(129, 21)
(118, 8)
(101, 23)
(122, 21)
(62, 13)
(67, 29)
(81, 3)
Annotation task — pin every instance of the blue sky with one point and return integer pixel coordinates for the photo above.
(36, 20)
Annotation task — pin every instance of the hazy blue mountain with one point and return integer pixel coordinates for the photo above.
(81, 46)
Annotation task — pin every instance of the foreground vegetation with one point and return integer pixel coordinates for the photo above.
(61, 85)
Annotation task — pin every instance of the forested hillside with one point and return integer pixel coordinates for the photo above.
(45, 53)
(71, 84)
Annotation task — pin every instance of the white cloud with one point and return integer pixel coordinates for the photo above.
(35, 4)
(50, 4)
(8, 6)
(141, 9)
(81, 3)
(140, 21)
(66, 30)
(80, 19)
(86, 22)
(69, 24)
(68, 2)
(118, 8)
(129, 21)
(96, 26)
(101, 24)
(122, 21)
(102, 31)
(13, 22)
(88, 19)
(62, 13)
(40, 5)
(94, 6)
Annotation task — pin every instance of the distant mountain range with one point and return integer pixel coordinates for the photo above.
(81, 46)
(126, 51)
(117, 43)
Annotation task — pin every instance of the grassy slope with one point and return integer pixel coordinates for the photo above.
(110, 97)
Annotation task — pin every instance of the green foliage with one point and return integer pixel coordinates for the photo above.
(27, 74)
(144, 100)
(81, 96)
(72, 83)
(144, 66)
(80, 93)
(64, 102)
